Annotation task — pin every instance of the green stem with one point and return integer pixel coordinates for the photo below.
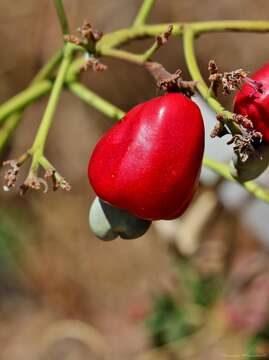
(42, 132)
(188, 45)
(13, 120)
(62, 16)
(224, 171)
(8, 128)
(150, 52)
(24, 98)
(143, 12)
(123, 55)
(96, 101)
(124, 36)
(230, 25)
(47, 165)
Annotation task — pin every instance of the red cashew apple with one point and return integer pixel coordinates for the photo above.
(253, 101)
(149, 162)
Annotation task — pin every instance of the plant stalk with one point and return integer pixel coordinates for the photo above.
(42, 132)
(62, 16)
(143, 12)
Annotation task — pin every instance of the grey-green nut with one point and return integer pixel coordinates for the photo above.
(253, 167)
(108, 222)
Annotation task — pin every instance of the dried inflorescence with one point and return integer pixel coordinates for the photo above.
(245, 142)
(57, 180)
(228, 81)
(95, 64)
(243, 121)
(219, 129)
(89, 36)
(10, 176)
(32, 181)
(89, 33)
(232, 80)
(88, 39)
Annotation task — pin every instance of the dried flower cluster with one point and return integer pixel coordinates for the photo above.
(245, 142)
(88, 36)
(87, 40)
(10, 176)
(93, 63)
(228, 81)
(32, 181)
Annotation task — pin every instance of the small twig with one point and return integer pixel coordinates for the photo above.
(159, 42)
(62, 16)
(143, 12)
(96, 101)
(24, 98)
(170, 82)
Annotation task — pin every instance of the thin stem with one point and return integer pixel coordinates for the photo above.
(143, 12)
(8, 128)
(47, 165)
(13, 120)
(62, 16)
(151, 51)
(224, 171)
(96, 101)
(26, 97)
(42, 132)
(124, 36)
(230, 25)
(188, 45)
(124, 55)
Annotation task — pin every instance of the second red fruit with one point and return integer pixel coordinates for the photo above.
(255, 104)
(149, 162)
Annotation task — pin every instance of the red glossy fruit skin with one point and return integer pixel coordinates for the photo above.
(254, 104)
(149, 162)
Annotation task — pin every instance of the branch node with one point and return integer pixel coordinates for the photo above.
(170, 82)
(88, 37)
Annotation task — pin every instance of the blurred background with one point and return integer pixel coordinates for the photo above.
(194, 288)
